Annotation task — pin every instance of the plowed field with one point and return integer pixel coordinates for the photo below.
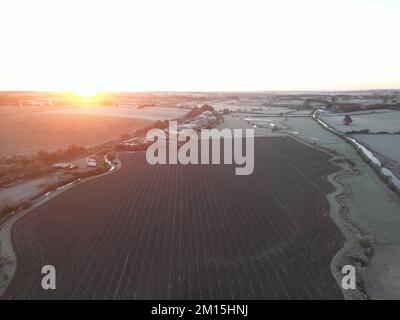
(187, 232)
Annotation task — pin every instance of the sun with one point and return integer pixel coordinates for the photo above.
(85, 93)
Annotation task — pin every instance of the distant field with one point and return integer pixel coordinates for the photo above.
(386, 144)
(187, 232)
(25, 130)
(150, 113)
(380, 121)
(28, 133)
(13, 110)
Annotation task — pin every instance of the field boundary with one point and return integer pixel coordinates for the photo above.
(351, 250)
(388, 177)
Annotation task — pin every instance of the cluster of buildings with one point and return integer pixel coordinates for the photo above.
(205, 120)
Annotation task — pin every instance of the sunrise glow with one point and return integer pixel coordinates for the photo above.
(85, 93)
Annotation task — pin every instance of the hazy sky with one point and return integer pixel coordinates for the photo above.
(199, 45)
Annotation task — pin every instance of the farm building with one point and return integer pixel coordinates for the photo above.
(91, 162)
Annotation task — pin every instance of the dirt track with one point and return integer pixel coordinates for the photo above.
(187, 232)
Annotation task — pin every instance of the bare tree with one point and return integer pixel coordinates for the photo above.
(347, 120)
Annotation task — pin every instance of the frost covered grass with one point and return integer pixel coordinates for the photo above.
(372, 207)
(386, 144)
(378, 122)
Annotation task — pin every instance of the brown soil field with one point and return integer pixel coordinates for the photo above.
(187, 232)
(28, 132)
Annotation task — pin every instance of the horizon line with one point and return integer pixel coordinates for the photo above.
(204, 91)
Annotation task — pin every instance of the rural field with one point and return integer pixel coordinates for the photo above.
(188, 232)
(150, 113)
(386, 144)
(25, 130)
(122, 176)
(387, 121)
